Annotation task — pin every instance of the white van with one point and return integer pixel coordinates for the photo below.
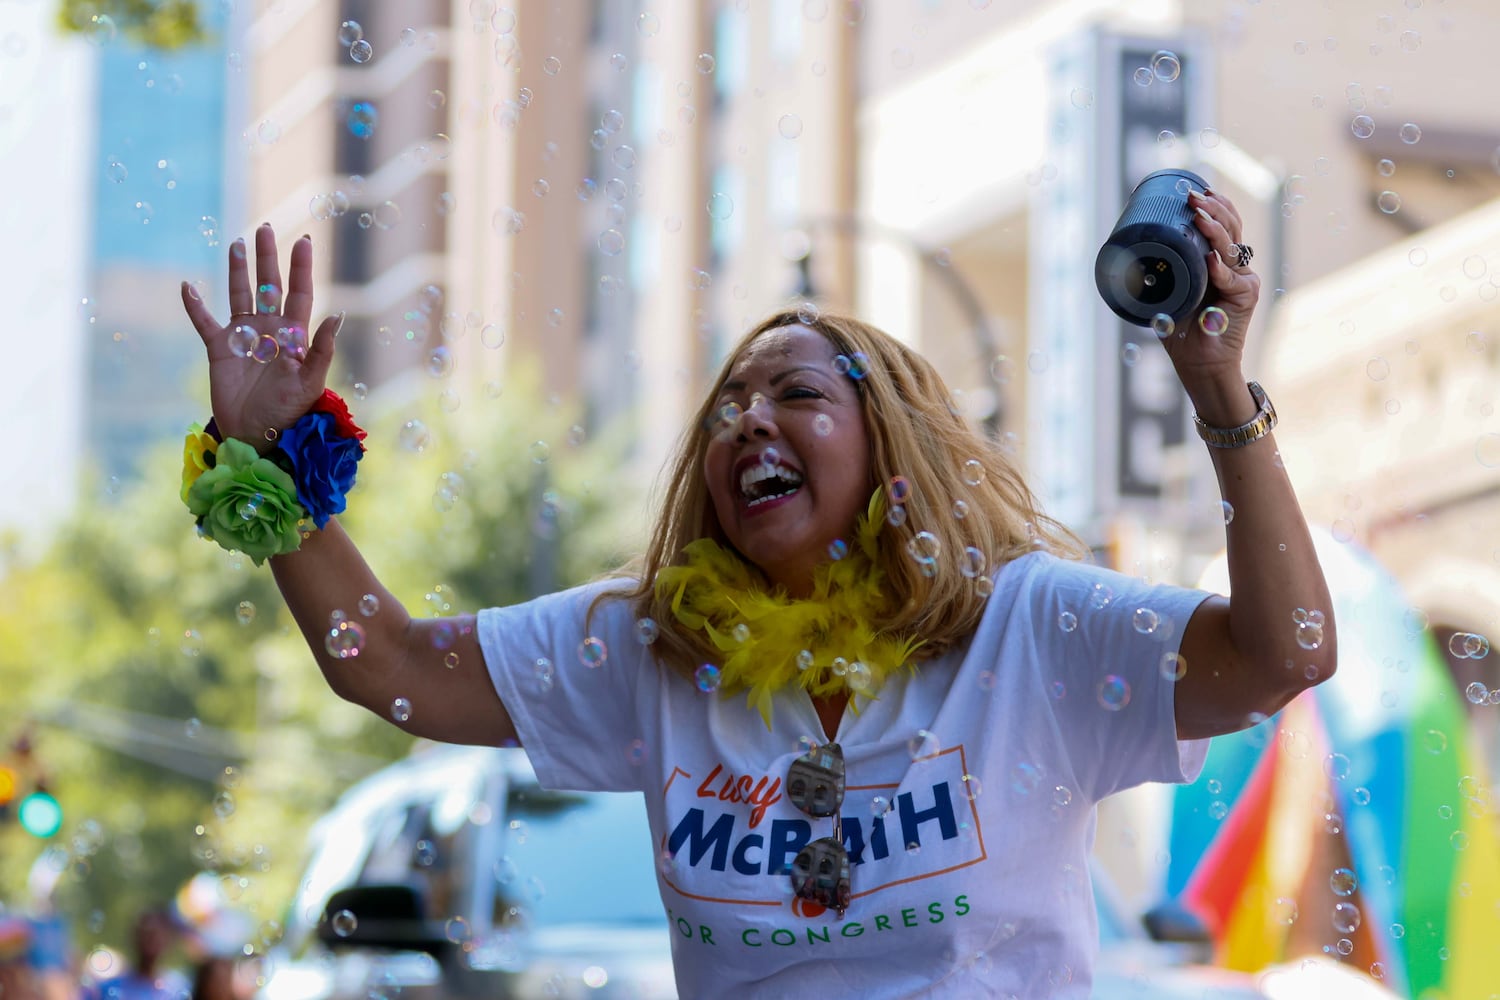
(452, 873)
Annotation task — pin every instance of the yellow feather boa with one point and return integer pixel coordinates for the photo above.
(716, 592)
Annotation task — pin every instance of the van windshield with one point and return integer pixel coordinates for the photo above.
(577, 859)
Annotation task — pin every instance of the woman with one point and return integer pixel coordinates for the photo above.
(868, 691)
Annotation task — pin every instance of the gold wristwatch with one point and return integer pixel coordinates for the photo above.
(1247, 433)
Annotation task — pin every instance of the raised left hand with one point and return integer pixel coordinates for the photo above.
(1194, 353)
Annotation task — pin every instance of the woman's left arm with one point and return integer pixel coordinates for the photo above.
(1250, 654)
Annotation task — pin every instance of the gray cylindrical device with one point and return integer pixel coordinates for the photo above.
(1155, 259)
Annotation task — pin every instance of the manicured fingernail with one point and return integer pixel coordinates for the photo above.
(340, 324)
(307, 237)
(1203, 212)
(192, 292)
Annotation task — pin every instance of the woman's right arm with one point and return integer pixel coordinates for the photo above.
(426, 675)
(434, 664)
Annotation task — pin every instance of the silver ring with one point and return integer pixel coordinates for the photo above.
(1242, 254)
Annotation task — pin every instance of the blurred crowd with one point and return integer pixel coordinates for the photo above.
(167, 960)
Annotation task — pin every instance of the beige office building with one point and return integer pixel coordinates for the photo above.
(1362, 156)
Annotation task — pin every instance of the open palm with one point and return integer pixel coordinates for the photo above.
(263, 373)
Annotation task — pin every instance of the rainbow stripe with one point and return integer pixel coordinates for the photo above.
(1373, 771)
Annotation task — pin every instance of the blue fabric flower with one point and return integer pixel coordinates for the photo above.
(324, 464)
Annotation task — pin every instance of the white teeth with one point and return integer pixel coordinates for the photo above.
(760, 472)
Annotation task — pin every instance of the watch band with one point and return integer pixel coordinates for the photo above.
(1258, 427)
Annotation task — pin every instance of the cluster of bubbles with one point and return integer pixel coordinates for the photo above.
(1165, 67)
(1468, 646)
(352, 38)
(323, 207)
(1309, 627)
(247, 342)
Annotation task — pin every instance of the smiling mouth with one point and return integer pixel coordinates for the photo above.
(760, 484)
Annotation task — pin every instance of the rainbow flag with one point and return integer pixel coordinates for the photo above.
(1357, 823)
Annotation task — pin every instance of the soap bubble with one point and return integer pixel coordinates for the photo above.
(592, 652)
(923, 744)
(345, 640)
(414, 436)
(1114, 693)
(646, 631)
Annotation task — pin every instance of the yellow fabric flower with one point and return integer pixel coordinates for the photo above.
(199, 453)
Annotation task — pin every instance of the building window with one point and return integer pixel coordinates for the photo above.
(726, 211)
(730, 38)
(354, 135)
(351, 250)
(786, 31)
(784, 182)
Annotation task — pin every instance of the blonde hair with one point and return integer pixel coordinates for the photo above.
(916, 433)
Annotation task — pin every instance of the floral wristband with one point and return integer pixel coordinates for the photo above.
(257, 504)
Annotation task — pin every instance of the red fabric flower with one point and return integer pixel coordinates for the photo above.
(333, 404)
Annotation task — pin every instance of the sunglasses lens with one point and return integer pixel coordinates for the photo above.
(815, 781)
(821, 873)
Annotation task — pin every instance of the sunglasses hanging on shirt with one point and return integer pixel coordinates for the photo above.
(815, 785)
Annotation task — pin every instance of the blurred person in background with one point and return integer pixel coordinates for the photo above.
(148, 977)
(851, 616)
(214, 979)
(18, 979)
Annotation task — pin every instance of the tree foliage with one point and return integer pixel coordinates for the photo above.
(160, 24)
(183, 725)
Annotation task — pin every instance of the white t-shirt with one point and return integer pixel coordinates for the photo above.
(970, 790)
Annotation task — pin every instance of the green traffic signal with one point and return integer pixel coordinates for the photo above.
(40, 814)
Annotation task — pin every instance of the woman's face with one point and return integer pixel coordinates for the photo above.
(792, 473)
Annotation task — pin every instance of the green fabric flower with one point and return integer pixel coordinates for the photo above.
(247, 503)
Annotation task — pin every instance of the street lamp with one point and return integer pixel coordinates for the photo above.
(934, 262)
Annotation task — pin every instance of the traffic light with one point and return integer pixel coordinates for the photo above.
(23, 790)
(9, 783)
(40, 814)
